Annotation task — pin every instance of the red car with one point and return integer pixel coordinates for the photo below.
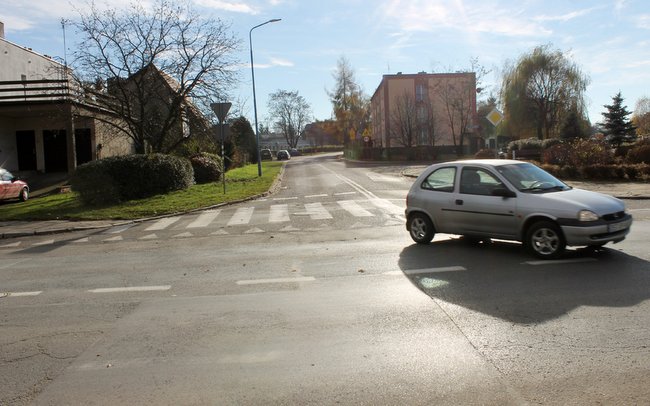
(12, 188)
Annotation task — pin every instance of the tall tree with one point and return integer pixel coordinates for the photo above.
(291, 113)
(641, 116)
(351, 107)
(617, 127)
(122, 52)
(403, 123)
(541, 89)
(459, 102)
(243, 138)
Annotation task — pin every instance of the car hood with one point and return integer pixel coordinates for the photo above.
(599, 203)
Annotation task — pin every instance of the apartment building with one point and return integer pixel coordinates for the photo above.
(433, 109)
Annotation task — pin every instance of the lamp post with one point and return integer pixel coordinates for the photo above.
(257, 132)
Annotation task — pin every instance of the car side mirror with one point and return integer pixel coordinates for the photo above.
(503, 192)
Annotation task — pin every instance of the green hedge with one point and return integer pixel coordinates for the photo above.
(207, 167)
(129, 177)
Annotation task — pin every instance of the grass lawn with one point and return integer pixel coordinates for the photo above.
(241, 183)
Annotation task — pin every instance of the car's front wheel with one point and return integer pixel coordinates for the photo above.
(24, 194)
(544, 239)
(421, 228)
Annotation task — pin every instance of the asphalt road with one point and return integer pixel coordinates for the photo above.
(317, 295)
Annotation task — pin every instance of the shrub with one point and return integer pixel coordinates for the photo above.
(639, 154)
(598, 171)
(207, 167)
(550, 142)
(559, 154)
(94, 184)
(130, 177)
(631, 171)
(568, 172)
(591, 152)
(579, 153)
(644, 170)
(485, 154)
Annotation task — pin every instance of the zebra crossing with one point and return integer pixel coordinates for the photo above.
(281, 215)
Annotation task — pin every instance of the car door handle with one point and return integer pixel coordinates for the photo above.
(459, 202)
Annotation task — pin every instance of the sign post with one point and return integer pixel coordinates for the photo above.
(221, 110)
(495, 117)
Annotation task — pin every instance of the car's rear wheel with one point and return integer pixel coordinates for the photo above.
(421, 228)
(544, 239)
(24, 194)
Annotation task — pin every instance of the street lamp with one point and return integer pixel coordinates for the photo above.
(257, 132)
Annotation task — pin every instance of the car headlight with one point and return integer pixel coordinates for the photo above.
(587, 215)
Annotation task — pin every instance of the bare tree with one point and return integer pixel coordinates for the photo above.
(404, 122)
(458, 100)
(154, 68)
(641, 116)
(291, 113)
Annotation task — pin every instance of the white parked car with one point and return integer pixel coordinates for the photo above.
(511, 200)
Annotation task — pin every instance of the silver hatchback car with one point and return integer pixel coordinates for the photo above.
(511, 200)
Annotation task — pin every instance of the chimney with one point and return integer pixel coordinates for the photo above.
(2, 30)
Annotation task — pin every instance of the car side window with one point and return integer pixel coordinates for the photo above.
(440, 180)
(477, 181)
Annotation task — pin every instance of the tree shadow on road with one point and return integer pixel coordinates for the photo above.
(501, 280)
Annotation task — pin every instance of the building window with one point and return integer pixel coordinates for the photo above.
(420, 92)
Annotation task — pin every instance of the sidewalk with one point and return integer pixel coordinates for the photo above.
(15, 229)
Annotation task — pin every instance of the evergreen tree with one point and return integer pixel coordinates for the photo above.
(243, 138)
(617, 127)
(573, 126)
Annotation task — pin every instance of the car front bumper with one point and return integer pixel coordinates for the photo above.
(597, 234)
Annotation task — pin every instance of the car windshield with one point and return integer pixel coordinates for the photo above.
(529, 178)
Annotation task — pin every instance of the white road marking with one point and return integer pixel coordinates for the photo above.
(148, 237)
(279, 213)
(119, 229)
(12, 245)
(313, 196)
(221, 231)
(114, 239)
(391, 208)
(204, 219)
(376, 177)
(46, 242)
(162, 223)
(560, 261)
(381, 203)
(242, 216)
(21, 294)
(254, 230)
(183, 235)
(352, 207)
(131, 289)
(85, 239)
(317, 212)
(279, 199)
(345, 193)
(277, 280)
(290, 228)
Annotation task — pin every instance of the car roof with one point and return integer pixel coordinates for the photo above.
(487, 162)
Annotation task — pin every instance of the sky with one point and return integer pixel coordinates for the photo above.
(609, 40)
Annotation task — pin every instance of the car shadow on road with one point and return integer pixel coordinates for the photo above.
(501, 280)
